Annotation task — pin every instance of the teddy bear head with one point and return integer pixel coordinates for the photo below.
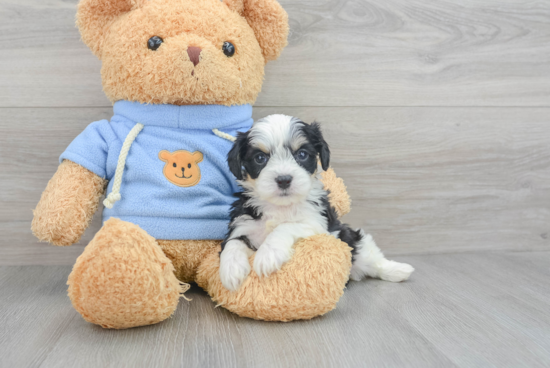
(182, 167)
(183, 52)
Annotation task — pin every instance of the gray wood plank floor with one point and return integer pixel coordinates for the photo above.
(459, 310)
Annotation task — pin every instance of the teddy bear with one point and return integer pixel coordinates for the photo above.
(183, 75)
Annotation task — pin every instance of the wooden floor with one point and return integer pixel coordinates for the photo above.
(438, 117)
(459, 310)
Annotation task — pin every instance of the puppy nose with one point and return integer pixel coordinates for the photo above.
(194, 54)
(283, 181)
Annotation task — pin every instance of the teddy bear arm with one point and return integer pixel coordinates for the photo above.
(67, 205)
(338, 194)
(308, 285)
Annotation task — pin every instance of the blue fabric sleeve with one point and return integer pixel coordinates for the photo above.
(91, 147)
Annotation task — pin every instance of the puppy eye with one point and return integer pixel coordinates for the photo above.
(174, 164)
(188, 166)
(154, 43)
(260, 158)
(228, 49)
(302, 155)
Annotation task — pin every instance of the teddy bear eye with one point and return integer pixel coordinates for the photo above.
(189, 166)
(154, 43)
(174, 164)
(228, 49)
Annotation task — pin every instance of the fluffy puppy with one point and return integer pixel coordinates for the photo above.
(277, 165)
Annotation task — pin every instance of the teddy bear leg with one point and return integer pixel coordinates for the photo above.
(187, 255)
(309, 285)
(123, 279)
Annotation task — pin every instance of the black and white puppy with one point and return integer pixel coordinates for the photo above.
(283, 200)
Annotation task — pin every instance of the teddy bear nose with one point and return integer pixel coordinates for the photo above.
(194, 54)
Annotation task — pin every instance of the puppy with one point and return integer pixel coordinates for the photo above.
(283, 200)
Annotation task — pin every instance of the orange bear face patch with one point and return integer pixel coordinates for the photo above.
(182, 167)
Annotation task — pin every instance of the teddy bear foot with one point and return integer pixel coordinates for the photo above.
(123, 279)
(309, 285)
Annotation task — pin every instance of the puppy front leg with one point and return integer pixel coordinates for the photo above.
(234, 264)
(277, 249)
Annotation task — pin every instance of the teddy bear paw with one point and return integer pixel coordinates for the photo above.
(123, 279)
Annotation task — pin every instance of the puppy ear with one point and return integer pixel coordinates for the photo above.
(235, 155)
(268, 20)
(165, 155)
(95, 17)
(320, 145)
(198, 156)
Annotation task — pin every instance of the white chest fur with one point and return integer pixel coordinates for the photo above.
(304, 214)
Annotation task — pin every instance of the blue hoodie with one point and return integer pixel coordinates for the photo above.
(157, 192)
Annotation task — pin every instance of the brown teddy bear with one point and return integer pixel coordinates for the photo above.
(182, 75)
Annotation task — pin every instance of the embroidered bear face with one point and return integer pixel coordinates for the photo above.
(182, 167)
(183, 51)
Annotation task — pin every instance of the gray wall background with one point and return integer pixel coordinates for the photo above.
(437, 113)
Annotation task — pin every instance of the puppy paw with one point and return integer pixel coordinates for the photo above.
(395, 271)
(270, 259)
(234, 268)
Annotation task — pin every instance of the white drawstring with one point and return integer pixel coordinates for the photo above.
(223, 135)
(115, 196)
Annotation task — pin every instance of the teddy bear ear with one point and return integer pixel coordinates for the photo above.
(268, 20)
(94, 17)
(198, 156)
(165, 155)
